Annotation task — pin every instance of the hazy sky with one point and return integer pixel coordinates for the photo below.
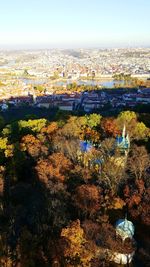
(74, 23)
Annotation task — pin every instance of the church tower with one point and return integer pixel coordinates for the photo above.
(124, 132)
(123, 142)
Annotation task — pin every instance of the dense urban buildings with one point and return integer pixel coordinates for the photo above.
(45, 78)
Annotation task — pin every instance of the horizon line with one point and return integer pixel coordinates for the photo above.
(46, 47)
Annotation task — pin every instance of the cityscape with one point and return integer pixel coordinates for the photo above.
(22, 73)
(75, 133)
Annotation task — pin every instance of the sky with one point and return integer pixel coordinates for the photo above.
(74, 23)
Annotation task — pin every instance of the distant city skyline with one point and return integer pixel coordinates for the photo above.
(34, 24)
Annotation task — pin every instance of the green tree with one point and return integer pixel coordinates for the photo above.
(93, 120)
(39, 89)
(33, 125)
(26, 73)
(126, 117)
(141, 131)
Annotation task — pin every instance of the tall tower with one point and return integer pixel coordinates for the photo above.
(124, 132)
(123, 142)
(34, 97)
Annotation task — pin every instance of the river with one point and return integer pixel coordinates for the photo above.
(104, 83)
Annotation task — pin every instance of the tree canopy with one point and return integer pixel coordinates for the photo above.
(64, 185)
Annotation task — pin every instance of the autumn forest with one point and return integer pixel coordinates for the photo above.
(63, 185)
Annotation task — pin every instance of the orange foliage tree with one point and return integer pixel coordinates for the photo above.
(110, 127)
(55, 167)
(87, 198)
(33, 146)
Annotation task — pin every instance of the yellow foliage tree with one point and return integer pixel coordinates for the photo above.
(78, 250)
